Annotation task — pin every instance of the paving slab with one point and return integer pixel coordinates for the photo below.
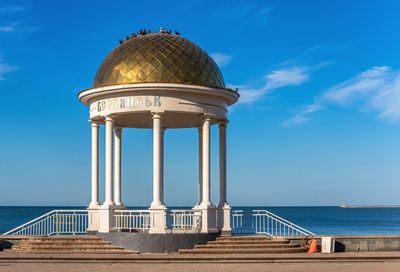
(203, 267)
(227, 258)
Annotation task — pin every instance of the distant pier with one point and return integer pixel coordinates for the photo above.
(368, 206)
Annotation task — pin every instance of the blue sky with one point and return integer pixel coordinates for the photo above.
(318, 122)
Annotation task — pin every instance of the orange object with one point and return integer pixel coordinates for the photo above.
(313, 246)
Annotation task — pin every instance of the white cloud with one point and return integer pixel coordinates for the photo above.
(221, 59)
(6, 69)
(11, 27)
(304, 115)
(375, 90)
(249, 95)
(291, 76)
(7, 29)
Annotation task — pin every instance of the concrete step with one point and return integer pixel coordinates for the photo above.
(65, 247)
(89, 251)
(243, 251)
(248, 239)
(244, 242)
(251, 246)
(65, 242)
(71, 249)
(78, 244)
(255, 237)
(65, 239)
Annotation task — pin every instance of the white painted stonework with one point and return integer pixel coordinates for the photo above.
(159, 106)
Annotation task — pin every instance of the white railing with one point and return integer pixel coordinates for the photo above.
(264, 222)
(185, 219)
(132, 220)
(73, 222)
(56, 222)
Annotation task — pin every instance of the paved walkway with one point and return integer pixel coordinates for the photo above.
(392, 266)
(337, 262)
(6, 256)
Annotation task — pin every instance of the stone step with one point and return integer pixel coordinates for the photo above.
(50, 249)
(255, 237)
(66, 247)
(79, 242)
(243, 251)
(66, 239)
(78, 236)
(237, 239)
(88, 251)
(251, 246)
(243, 242)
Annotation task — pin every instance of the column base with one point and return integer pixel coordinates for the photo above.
(224, 218)
(94, 205)
(208, 218)
(93, 218)
(196, 207)
(158, 219)
(106, 216)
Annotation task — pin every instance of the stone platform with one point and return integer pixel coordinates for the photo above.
(247, 245)
(158, 243)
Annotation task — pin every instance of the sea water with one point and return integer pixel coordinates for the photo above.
(320, 220)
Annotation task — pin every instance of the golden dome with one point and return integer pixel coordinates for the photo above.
(159, 58)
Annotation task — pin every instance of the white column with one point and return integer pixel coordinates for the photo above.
(208, 210)
(117, 165)
(94, 206)
(157, 161)
(109, 201)
(107, 209)
(162, 164)
(222, 164)
(206, 201)
(200, 182)
(158, 222)
(94, 203)
(224, 210)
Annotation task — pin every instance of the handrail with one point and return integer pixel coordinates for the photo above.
(184, 220)
(264, 222)
(43, 224)
(138, 211)
(178, 210)
(28, 223)
(132, 220)
(277, 217)
(75, 222)
(139, 220)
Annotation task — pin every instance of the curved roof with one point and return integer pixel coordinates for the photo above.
(159, 58)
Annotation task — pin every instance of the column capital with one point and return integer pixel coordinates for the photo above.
(94, 123)
(118, 129)
(109, 119)
(223, 123)
(208, 117)
(157, 115)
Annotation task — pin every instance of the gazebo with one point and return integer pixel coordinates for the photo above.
(159, 81)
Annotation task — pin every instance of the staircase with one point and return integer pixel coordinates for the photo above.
(68, 245)
(246, 245)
